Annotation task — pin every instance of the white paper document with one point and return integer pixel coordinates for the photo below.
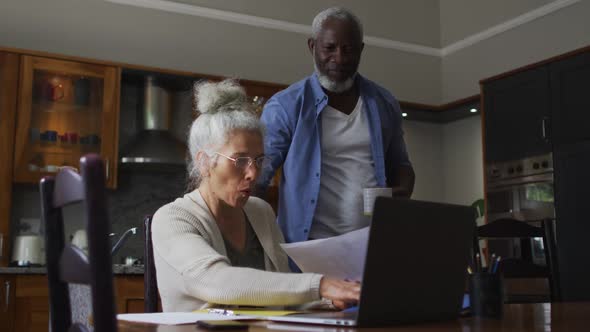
(340, 257)
(177, 318)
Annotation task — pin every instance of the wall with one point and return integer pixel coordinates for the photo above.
(447, 160)
(425, 148)
(462, 161)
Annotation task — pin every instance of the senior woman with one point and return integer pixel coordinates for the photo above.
(217, 245)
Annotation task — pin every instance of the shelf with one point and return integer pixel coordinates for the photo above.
(60, 149)
(63, 107)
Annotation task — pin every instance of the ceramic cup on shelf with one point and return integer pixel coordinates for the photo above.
(49, 136)
(93, 139)
(82, 91)
(35, 134)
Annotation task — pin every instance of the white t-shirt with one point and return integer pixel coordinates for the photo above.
(347, 168)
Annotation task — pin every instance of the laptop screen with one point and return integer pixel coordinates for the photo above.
(416, 262)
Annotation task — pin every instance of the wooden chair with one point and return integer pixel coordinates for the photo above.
(523, 267)
(67, 264)
(150, 283)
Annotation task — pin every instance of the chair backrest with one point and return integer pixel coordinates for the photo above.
(511, 228)
(150, 283)
(67, 263)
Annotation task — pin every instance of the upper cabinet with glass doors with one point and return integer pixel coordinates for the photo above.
(66, 109)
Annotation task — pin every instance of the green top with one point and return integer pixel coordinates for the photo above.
(253, 254)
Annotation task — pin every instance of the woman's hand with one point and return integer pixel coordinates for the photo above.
(342, 293)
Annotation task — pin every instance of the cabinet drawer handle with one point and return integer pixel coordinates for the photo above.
(544, 122)
(107, 167)
(7, 299)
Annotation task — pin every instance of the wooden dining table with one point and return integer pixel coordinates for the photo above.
(548, 317)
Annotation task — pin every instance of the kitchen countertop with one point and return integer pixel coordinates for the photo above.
(117, 269)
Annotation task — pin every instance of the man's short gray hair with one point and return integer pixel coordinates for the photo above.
(223, 108)
(338, 13)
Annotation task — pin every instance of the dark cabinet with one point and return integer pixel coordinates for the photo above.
(570, 117)
(517, 109)
(545, 108)
(572, 194)
(570, 86)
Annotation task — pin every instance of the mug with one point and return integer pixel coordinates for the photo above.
(49, 136)
(93, 139)
(82, 91)
(53, 91)
(69, 137)
(369, 196)
(35, 134)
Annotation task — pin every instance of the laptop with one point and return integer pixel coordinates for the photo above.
(415, 269)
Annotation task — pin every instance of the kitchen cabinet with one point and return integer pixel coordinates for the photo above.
(25, 300)
(31, 310)
(25, 303)
(570, 117)
(572, 194)
(65, 109)
(7, 286)
(536, 110)
(9, 63)
(570, 79)
(516, 114)
(129, 293)
(545, 108)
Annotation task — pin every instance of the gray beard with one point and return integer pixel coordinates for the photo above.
(336, 87)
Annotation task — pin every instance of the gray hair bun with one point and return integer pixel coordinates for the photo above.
(224, 96)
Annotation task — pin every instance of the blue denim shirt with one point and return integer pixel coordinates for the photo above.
(292, 140)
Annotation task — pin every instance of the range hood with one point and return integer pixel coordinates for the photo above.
(154, 144)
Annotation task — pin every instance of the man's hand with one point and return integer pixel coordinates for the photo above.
(404, 182)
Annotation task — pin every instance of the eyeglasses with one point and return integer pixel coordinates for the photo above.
(243, 163)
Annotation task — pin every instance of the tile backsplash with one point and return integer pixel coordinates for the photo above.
(139, 193)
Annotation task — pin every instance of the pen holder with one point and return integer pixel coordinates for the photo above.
(486, 294)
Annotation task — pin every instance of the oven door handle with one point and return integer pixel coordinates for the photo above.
(522, 181)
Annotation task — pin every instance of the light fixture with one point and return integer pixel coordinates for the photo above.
(473, 110)
(404, 114)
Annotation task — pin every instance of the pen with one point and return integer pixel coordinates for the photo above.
(224, 312)
(477, 263)
(497, 264)
(491, 263)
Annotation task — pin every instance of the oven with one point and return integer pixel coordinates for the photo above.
(522, 190)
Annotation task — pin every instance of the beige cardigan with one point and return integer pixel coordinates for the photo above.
(193, 270)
